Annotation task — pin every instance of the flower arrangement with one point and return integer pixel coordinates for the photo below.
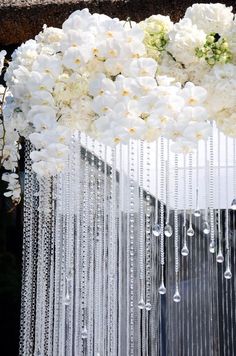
(117, 80)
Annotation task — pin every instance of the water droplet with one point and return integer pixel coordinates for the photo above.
(148, 306)
(220, 257)
(176, 297)
(84, 333)
(212, 247)
(197, 213)
(228, 274)
(141, 304)
(233, 204)
(168, 231)
(190, 231)
(206, 228)
(185, 251)
(162, 289)
(156, 230)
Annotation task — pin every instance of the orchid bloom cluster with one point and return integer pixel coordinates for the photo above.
(117, 80)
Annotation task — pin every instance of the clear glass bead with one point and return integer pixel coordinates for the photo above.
(67, 299)
(228, 274)
(212, 247)
(190, 232)
(197, 213)
(156, 230)
(220, 257)
(185, 251)
(206, 228)
(141, 304)
(168, 231)
(84, 333)
(233, 204)
(148, 306)
(162, 289)
(176, 297)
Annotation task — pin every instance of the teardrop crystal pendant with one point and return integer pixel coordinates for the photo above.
(212, 247)
(162, 289)
(197, 213)
(176, 297)
(228, 274)
(141, 304)
(168, 231)
(185, 251)
(67, 299)
(156, 230)
(148, 306)
(233, 204)
(220, 257)
(190, 231)
(84, 333)
(206, 228)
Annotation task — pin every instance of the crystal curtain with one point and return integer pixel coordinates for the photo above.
(131, 251)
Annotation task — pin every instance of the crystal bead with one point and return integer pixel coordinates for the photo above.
(84, 333)
(220, 257)
(206, 228)
(197, 213)
(67, 299)
(212, 247)
(141, 304)
(190, 232)
(228, 274)
(162, 289)
(185, 251)
(148, 306)
(176, 297)
(233, 204)
(156, 230)
(168, 231)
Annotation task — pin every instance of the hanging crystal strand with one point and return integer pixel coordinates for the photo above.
(156, 229)
(130, 326)
(51, 292)
(228, 273)
(148, 305)
(176, 297)
(104, 312)
(190, 231)
(162, 288)
(211, 195)
(141, 303)
(233, 204)
(219, 257)
(148, 261)
(98, 258)
(205, 225)
(42, 272)
(168, 231)
(112, 262)
(29, 261)
(197, 212)
(84, 257)
(78, 213)
(69, 245)
(121, 258)
(185, 250)
(59, 243)
(91, 234)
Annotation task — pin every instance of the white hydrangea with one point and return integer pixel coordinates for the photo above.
(220, 84)
(210, 17)
(2, 58)
(184, 39)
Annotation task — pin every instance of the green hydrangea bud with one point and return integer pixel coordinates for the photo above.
(215, 50)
